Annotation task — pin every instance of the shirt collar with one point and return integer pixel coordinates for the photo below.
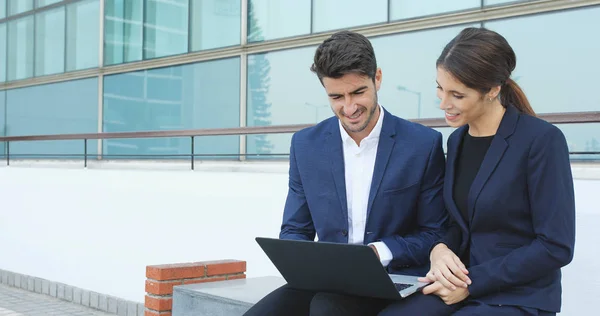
(374, 133)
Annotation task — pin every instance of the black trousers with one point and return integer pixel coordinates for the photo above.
(287, 301)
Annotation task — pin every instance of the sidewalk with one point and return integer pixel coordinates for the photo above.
(17, 302)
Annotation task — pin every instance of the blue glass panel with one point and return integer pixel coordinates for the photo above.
(20, 48)
(340, 14)
(273, 100)
(43, 3)
(123, 31)
(215, 23)
(405, 9)
(272, 19)
(59, 108)
(557, 62)
(408, 65)
(583, 140)
(19, 6)
(50, 42)
(166, 28)
(498, 2)
(2, 9)
(2, 120)
(2, 52)
(407, 62)
(83, 31)
(200, 95)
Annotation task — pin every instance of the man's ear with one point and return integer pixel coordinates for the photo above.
(378, 76)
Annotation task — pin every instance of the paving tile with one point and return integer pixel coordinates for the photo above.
(17, 302)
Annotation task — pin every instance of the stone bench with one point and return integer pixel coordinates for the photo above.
(231, 298)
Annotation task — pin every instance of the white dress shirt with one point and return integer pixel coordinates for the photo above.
(359, 162)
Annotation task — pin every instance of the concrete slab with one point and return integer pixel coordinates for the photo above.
(232, 297)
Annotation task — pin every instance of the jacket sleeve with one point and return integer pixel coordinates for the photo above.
(297, 221)
(413, 249)
(552, 206)
(452, 239)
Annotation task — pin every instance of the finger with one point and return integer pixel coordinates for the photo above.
(424, 280)
(432, 288)
(460, 265)
(456, 276)
(431, 276)
(463, 276)
(442, 277)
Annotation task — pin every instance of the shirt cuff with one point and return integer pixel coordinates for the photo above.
(385, 254)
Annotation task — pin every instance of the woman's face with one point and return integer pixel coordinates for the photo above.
(462, 105)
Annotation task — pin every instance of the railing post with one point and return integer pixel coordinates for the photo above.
(85, 152)
(192, 158)
(8, 153)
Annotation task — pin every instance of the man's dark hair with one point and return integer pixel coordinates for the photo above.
(343, 53)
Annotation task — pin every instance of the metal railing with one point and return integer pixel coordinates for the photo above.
(554, 118)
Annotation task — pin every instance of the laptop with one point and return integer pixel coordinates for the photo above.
(337, 268)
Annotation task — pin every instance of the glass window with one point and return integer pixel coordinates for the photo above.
(43, 3)
(50, 42)
(200, 95)
(19, 6)
(123, 30)
(2, 52)
(2, 9)
(273, 100)
(408, 64)
(557, 66)
(58, 108)
(2, 121)
(583, 140)
(20, 48)
(496, 2)
(83, 32)
(339, 14)
(215, 23)
(166, 28)
(405, 9)
(273, 19)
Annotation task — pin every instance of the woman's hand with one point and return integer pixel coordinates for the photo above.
(448, 296)
(447, 269)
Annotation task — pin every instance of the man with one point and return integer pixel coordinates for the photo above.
(361, 177)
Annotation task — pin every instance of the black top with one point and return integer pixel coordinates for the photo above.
(470, 156)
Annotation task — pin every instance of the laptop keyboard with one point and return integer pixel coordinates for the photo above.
(402, 286)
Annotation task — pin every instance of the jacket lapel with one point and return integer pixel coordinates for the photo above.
(335, 155)
(384, 150)
(453, 148)
(493, 156)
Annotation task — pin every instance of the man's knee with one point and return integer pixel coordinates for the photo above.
(326, 304)
(282, 301)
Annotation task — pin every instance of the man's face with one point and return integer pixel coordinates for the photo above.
(353, 99)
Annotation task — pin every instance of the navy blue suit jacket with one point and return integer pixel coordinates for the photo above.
(521, 210)
(405, 208)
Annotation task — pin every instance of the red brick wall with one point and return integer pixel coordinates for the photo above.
(162, 278)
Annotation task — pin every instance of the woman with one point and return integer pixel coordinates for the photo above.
(508, 188)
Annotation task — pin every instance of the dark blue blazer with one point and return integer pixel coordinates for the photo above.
(405, 208)
(521, 212)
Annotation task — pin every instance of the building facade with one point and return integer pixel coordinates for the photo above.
(88, 66)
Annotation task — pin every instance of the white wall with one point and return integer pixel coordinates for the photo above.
(98, 228)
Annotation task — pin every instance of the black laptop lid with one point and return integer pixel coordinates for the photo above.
(330, 267)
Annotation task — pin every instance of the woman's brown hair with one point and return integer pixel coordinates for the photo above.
(482, 59)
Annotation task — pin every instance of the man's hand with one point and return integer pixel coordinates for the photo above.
(447, 269)
(376, 252)
(448, 296)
